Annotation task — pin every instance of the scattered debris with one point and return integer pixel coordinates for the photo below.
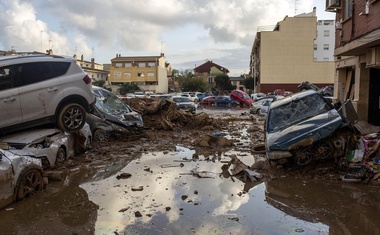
(124, 176)
(124, 209)
(140, 188)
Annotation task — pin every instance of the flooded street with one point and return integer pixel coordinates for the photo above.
(186, 191)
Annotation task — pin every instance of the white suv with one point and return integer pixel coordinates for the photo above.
(37, 89)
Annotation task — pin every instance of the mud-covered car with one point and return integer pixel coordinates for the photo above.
(303, 127)
(20, 176)
(116, 115)
(52, 145)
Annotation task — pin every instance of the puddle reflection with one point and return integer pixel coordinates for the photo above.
(175, 202)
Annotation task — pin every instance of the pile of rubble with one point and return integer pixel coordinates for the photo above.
(162, 114)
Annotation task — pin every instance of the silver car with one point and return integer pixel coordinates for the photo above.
(38, 89)
(53, 146)
(20, 176)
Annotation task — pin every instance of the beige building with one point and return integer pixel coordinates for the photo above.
(283, 57)
(150, 73)
(94, 70)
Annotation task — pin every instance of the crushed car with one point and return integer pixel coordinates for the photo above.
(111, 116)
(303, 127)
(20, 176)
(52, 145)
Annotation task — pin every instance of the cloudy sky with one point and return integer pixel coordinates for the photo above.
(189, 32)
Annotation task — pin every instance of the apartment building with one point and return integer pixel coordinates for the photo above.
(324, 44)
(282, 56)
(150, 73)
(357, 52)
(94, 70)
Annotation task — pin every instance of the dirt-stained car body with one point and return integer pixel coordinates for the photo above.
(302, 127)
(121, 119)
(20, 176)
(52, 145)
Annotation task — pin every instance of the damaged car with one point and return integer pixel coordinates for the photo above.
(112, 116)
(304, 127)
(20, 176)
(52, 145)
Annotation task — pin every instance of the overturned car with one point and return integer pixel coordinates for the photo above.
(304, 127)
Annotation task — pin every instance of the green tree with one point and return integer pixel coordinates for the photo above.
(128, 88)
(99, 83)
(248, 83)
(223, 83)
(193, 84)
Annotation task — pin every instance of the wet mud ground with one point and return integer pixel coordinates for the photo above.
(147, 186)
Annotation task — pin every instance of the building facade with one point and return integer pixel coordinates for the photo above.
(208, 72)
(357, 52)
(282, 56)
(150, 73)
(324, 44)
(94, 70)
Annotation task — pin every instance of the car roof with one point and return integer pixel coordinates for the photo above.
(291, 97)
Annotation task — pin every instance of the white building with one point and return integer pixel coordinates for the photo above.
(325, 41)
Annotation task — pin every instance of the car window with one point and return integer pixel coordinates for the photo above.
(296, 111)
(6, 78)
(59, 68)
(109, 103)
(34, 72)
(181, 99)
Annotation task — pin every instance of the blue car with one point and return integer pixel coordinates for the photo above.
(225, 101)
(303, 127)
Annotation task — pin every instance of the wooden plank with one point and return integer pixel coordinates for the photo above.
(347, 85)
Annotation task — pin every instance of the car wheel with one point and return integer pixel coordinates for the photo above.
(101, 135)
(30, 182)
(258, 111)
(71, 117)
(61, 156)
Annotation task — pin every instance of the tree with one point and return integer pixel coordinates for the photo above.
(128, 88)
(248, 83)
(193, 84)
(223, 83)
(99, 83)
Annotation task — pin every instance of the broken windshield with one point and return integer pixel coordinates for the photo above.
(110, 104)
(296, 111)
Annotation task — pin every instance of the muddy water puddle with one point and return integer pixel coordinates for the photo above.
(158, 193)
(162, 196)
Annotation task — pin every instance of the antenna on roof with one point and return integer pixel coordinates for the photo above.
(92, 49)
(295, 7)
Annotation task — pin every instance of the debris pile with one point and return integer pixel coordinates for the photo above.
(162, 114)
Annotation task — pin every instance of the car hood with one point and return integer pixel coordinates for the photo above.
(304, 133)
(30, 136)
(127, 118)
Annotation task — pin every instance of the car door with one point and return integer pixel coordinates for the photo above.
(6, 181)
(10, 110)
(40, 90)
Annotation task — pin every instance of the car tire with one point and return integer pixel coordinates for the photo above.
(101, 135)
(71, 117)
(61, 156)
(258, 111)
(29, 183)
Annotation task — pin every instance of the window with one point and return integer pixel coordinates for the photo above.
(127, 74)
(347, 9)
(140, 74)
(118, 65)
(151, 64)
(315, 47)
(326, 33)
(117, 74)
(326, 47)
(150, 74)
(128, 65)
(142, 65)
